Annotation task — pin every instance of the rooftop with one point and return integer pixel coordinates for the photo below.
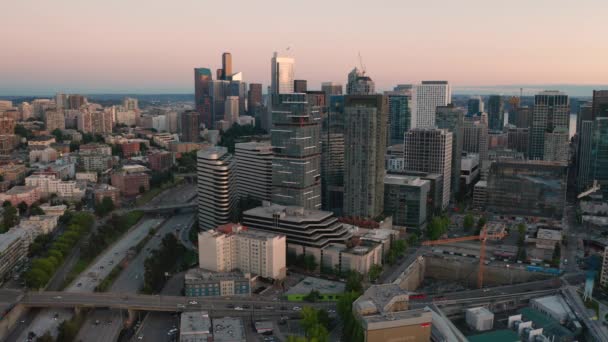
(379, 299)
(198, 274)
(503, 335)
(322, 285)
(404, 180)
(10, 237)
(195, 326)
(228, 329)
(289, 213)
(20, 189)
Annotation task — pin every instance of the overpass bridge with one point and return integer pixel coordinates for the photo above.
(169, 208)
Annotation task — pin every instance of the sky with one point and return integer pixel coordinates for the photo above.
(152, 46)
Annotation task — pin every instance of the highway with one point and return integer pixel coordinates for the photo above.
(595, 328)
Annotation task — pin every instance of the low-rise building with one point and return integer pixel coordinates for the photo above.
(383, 313)
(195, 326)
(228, 329)
(87, 176)
(49, 184)
(360, 257)
(96, 148)
(131, 184)
(497, 229)
(548, 238)
(13, 251)
(95, 162)
(105, 190)
(54, 210)
(201, 283)
(328, 290)
(13, 173)
(41, 141)
(45, 155)
(405, 199)
(19, 193)
(130, 149)
(161, 161)
(44, 224)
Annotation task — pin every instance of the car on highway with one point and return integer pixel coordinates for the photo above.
(297, 308)
(140, 337)
(57, 297)
(230, 306)
(192, 302)
(79, 285)
(269, 307)
(238, 308)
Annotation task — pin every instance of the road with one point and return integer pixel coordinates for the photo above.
(595, 328)
(130, 280)
(394, 273)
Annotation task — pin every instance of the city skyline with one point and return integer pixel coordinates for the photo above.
(153, 48)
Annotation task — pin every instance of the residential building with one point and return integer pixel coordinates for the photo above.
(332, 156)
(95, 148)
(44, 156)
(216, 187)
(130, 148)
(201, 283)
(7, 124)
(451, 118)
(518, 139)
(475, 136)
(383, 314)
(131, 184)
(19, 193)
(41, 141)
(364, 150)
(231, 110)
(496, 113)
(296, 140)
(190, 126)
(53, 120)
(557, 146)
(254, 170)
(49, 184)
(13, 251)
(430, 150)
(14, 173)
(161, 161)
(399, 116)
(233, 246)
(282, 74)
(331, 88)
(303, 227)
(95, 162)
(427, 97)
(405, 199)
(551, 113)
(359, 84)
(105, 190)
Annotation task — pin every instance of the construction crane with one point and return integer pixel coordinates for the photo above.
(595, 187)
(482, 237)
(361, 64)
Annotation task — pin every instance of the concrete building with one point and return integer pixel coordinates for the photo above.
(479, 318)
(300, 86)
(383, 314)
(189, 124)
(216, 187)
(161, 161)
(405, 199)
(45, 156)
(427, 97)
(360, 257)
(475, 136)
(282, 74)
(328, 290)
(95, 162)
(496, 113)
(480, 194)
(331, 88)
(201, 283)
(95, 148)
(13, 251)
(604, 273)
(233, 246)
(228, 329)
(557, 146)
(202, 95)
(53, 120)
(41, 141)
(19, 193)
(254, 96)
(469, 171)
(49, 184)
(130, 149)
(131, 184)
(430, 150)
(105, 190)
(364, 150)
(14, 173)
(195, 326)
(254, 170)
(296, 140)
(53, 210)
(303, 227)
(359, 84)
(451, 118)
(332, 156)
(518, 139)
(551, 113)
(231, 110)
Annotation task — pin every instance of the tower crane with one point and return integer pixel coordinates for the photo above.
(482, 237)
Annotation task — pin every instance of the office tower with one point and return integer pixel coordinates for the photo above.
(518, 139)
(299, 86)
(282, 74)
(332, 156)
(226, 65)
(405, 89)
(316, 98)
(231, 109)
(475, 136)
(600, 104)
(405, 199)
(331, 88)
(189, 124)
(254, 170)
(430, 150)
(551, 112)
(427, 97)
(521, 117)
(202, 98)
(219, 74)
(359, 84)
(364, 149)
(452, 119)
(496, 113)
(296, 139)
(254, 97)
(529, 188)
(54, 120)
(600, 153)
(475, 106)
(218, 90)
(556, 146)
(130, 103)
(216, 187)
(399, 116)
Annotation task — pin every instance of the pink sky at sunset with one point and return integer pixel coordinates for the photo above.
(152, 46)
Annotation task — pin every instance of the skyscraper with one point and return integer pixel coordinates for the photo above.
(474, 106)
(254, 170)
(282, 74)
(296, 140)
(521, 117)
(600, 104)
(202, 99)
(231, 109)
(332, 156)
(216, 187)
(551, 112)
(451, 118)
(518, 140)
(226, 66)
(600, 153)
(299, 86)
(359, 84)
(475, 136)
(399, 116)
(430, 150)
(254, 96)
(189, 121)
(331, 88)
(496, 113)
(54, 119)
(364, 151)
(427, 97)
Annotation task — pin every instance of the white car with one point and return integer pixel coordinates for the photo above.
(238, 308)
(192, 302)
(297, 308)
(57, 297)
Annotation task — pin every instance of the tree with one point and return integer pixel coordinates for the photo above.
(480, 224)
(36, 210)
(313, 296)
(437, 227)
(47, 337)
(374, 272)
(314, 328)
(468, 222)
(105, 206)
(310, 263)
(354, 282)
(58, 135)
(351, 329)
(521, 237)
(9, 217)
(557, 253)
(22, 208)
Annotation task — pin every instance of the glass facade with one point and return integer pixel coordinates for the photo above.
(332, 156)
(399, 113)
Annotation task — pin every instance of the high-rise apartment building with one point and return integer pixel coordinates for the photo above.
(130, 103)
(216, 187)
(496, 113)
(364, 150)
(430, 150)
(518, 140)
(282, 74)
(427, 97)
(54, 120)
(359, 84)
(475, 106)
(300, 86)
(296, 139)
(451, 118)
(254, 96)
(232, 247)
(254, 170)
(332, 156)
(189, 124)
(475, 136)
(551, 112)
(202, 96)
